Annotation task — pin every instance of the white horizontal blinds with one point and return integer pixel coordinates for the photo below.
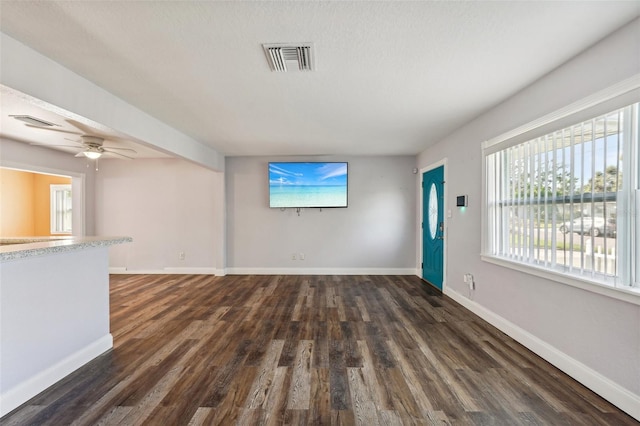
(60, 209)
(632, 128)
(493, 195)
(547, 202)
(611, 172)
(569, 190)
(556, 172)
(525, 197)
(552, 200)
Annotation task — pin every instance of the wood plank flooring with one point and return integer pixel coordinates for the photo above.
(317, 350)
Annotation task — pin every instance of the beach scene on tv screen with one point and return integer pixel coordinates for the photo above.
(307, 185)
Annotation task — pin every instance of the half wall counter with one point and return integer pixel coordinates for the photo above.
(54, 311)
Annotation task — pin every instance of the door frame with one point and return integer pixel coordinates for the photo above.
(421, 218)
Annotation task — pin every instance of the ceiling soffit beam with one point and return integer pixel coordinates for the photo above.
(56, 88)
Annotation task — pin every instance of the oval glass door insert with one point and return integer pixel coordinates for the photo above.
(433, 210)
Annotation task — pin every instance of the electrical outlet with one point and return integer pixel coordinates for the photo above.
(468, 278)
(293, 256)
(181, 255)
(301, 256)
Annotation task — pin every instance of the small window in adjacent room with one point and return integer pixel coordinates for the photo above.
(566, 203)
(60, 209)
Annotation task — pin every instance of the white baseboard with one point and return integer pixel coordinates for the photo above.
(266, 271)
(321, 271)
(29, 388)
(603, 386)
(167, 270)
(194, 271)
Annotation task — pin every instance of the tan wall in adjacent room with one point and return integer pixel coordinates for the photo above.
(16, 203)
(25, 201)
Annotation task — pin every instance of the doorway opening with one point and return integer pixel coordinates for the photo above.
(34, 203)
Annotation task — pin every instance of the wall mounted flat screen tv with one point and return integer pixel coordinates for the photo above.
(317, 184)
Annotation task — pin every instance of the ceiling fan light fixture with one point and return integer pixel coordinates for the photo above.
(92, 154)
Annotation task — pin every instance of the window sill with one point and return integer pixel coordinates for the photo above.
(629, 294)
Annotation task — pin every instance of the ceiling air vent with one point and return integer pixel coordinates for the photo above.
(32, 120)
(289, 57)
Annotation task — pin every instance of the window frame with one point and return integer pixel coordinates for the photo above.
(612, 98)
(53, 190)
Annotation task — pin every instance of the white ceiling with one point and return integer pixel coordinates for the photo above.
(391, 77)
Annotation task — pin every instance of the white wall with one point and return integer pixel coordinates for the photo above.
(374, 234)
(594, 336)
(33, 158)
(167, 206)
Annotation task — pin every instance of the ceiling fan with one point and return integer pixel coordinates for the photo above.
(93, 148)
(90, 142)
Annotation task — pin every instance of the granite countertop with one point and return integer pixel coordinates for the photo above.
(23, 247)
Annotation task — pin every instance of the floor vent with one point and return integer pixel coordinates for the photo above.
(289, 57)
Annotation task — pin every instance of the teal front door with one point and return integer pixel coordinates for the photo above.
(433, 226)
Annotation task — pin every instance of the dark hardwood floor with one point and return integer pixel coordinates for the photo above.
(201, 350)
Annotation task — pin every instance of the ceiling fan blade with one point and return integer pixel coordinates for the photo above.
(120, 149)
(86, 130)
(74, 141)
(48, 144)
(106, 151)
(53, 130)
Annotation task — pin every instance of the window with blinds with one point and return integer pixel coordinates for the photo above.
(567, 200)
(61, 209)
